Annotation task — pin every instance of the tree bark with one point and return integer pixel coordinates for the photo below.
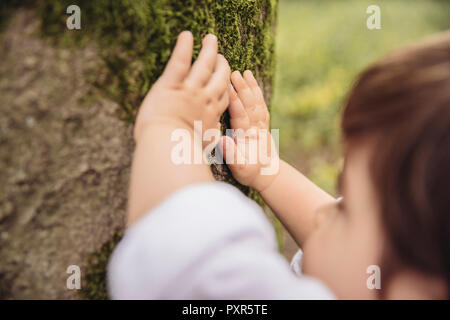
(67, 103)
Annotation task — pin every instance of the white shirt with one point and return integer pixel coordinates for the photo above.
(206, 241)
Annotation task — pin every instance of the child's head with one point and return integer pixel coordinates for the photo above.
(395, 184)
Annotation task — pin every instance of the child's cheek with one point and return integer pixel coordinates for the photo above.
(322, 256)
(315, 253)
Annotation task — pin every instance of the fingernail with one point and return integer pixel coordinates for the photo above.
(210, 37)
(248, 71)
(185, 32)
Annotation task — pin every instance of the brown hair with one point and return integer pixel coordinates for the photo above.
(402, 104)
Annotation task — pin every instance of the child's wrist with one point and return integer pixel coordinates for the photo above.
(158, 122)
(262, 183)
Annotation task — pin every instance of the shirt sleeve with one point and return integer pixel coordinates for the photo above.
(205, 241)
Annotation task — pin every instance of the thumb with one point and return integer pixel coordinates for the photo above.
(231, 154)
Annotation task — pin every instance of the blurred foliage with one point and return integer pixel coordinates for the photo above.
(321, 46)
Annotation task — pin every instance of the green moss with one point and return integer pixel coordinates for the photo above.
(94, 279)
(135, 39)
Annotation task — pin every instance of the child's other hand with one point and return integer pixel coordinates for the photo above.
(250, 165)
(184, 92)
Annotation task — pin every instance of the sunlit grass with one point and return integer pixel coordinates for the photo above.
(321, 46)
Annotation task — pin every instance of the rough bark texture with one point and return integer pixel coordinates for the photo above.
(67, 101)
(64, 164)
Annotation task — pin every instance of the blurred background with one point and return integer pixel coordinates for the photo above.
(321, 46)
(65, 152)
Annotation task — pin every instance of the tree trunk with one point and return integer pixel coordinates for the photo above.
(67, 103)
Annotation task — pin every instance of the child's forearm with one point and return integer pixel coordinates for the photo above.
(294, 199)
(154, 175)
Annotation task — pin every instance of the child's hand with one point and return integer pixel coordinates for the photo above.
(248, 112)
(186, 93)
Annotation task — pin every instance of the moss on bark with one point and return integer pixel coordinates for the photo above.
(94, 286)
(135, 39)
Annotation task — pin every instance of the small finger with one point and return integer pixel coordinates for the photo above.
(236, 108)
(223, 103)
(253, 84)
(179, 64)
(204, 66)
(219, 80)
(244, 92)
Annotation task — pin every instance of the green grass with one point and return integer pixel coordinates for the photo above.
(321, 46)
